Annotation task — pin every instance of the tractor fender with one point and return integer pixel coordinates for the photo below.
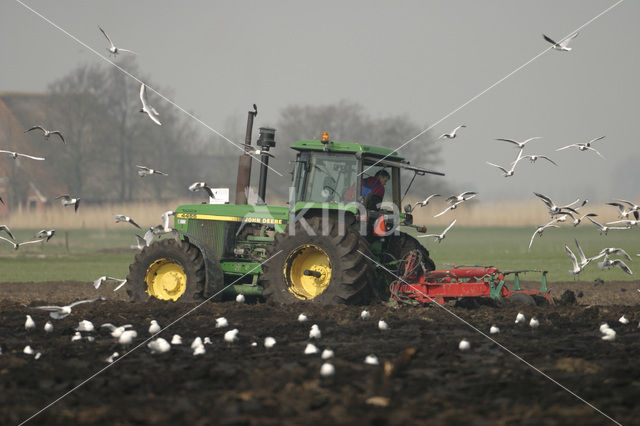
(214, 277)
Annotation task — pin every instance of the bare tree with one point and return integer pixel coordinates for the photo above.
(348, 122)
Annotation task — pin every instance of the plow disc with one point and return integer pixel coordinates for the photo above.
(415, 286)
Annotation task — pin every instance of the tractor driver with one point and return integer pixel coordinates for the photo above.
(372, 189)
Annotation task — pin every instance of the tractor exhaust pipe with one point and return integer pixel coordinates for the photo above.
(266, 140)
(244, 164)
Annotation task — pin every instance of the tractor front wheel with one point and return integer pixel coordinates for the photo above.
(167, 270)
(324, 269)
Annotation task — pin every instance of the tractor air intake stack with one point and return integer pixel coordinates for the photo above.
(244, 164)
(266, 140)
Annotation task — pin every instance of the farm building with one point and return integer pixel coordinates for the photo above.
(25, 184)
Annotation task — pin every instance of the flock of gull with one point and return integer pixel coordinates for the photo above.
(629, 212)
(124, 337)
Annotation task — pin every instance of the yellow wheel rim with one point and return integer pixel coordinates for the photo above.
(315, 261)
(165, 280)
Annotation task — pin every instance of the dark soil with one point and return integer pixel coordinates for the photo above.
(422, 377)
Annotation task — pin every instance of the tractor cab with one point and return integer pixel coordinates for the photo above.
(338, 172)
(346, 172)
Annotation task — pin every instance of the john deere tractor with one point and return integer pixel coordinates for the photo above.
(324, 247)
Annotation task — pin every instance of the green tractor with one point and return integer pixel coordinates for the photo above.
(324, 247)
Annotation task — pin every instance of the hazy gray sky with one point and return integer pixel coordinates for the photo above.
(422, 59)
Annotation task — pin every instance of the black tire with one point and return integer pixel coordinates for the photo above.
(398, 246)
(352, 274)
(521, 299)
(186, 255)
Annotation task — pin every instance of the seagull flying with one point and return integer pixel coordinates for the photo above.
(146, 171)
(576, 267)
(425, 201)
(201, 185)
(440, 237)
(622, 209)
(467, 195)
(603, 228)
(517, 143)
(555, 209)
(507, 173)
(113, 50)
(6, 229)
(608, 263)
(140, 243)
(16, 246)
(452, 134)
(451, 207)
(48, 234)
(67, 201)
(15, 155)
(541, 229)
(46, 133)
(578, 220)
(123, 218)
(534, 157)
(562, 45)
(584, 146)
(59, 312)
(99, 281)
(165, 220)
(616, 251)
(146, 108)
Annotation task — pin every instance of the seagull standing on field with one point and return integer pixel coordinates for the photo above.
(146, 108)
(562, 45)
(122, 218)
(584, 146)
(452, 134)
(67, 201)
(116, 331)
(441, 236)
(15, 155)
(154, 327)
(46, 133)
(29, 324)
(113, 50)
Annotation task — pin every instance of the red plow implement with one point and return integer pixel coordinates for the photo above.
(415, 286)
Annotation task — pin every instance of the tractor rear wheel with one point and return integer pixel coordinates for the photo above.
(167, 270)
(324, 269)
(398, 246)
